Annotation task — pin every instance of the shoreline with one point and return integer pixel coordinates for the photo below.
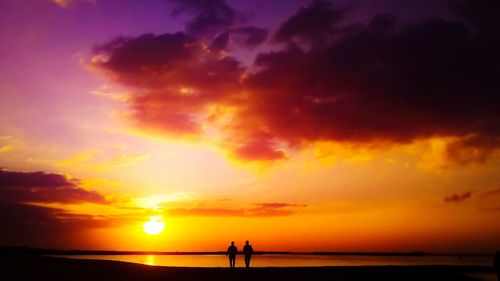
(34, 267)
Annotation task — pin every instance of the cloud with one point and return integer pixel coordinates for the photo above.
(219, 23)
(258, 210)
(176, 79)
(277, 205)
(205, 212)
(313, 23)
(41, 187)
(329, 81)
(459, 197)
(24, 224)
(22, 221)
(490, 200)
(212, 16)
(258, 148)
(473, 149)
(482, 14)
(249, 36)
(100, 160)
(33, 179)
(274, 209)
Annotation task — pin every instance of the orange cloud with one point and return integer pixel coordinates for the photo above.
(259, 210)
(490, 200)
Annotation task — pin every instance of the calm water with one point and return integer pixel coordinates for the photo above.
(290, 260)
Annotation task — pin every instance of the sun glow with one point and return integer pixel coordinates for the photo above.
(154, 226)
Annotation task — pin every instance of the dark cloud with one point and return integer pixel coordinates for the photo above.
(483, 14)
(31, 225)
(258, 210)
(459, 197)
(419, 82)
(147, 53)
(33, 179)
(212, 16)
(382, 80)
(314, 23)
(249, 36)
(220, 42)
(40, 187)
(23, 222)
(218, 22)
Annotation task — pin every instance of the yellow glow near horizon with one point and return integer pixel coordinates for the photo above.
(154, 226)
(150, 260)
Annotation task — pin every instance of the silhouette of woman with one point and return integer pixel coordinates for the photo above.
(247, 251)
(231, 252)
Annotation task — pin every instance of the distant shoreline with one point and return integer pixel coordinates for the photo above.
(54, 252)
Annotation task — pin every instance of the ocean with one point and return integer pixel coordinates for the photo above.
(295, 260)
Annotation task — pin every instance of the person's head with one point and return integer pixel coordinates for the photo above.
(232, 243)
(246, 242)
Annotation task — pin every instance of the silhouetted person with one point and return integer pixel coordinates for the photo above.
(231, 252)
(496, 263)
(247, 251)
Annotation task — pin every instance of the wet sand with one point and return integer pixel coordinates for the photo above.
(27, 267)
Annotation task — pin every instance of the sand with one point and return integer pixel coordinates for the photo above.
(30, 267)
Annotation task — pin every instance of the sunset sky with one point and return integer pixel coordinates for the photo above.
(365, 125)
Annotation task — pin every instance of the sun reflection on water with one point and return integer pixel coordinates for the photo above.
(150, 260)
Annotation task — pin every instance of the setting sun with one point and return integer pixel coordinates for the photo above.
(154, 226)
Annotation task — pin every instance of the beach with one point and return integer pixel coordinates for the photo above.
(33, 267)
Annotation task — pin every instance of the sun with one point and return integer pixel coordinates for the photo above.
(154, 226)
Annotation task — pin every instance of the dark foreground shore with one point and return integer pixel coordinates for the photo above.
(22, 267)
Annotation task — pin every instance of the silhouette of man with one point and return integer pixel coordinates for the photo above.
(247, 251)
(231, 252)
(496, 263)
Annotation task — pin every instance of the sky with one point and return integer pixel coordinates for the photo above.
(169, 125)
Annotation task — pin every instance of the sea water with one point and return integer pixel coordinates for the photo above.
(295, 260)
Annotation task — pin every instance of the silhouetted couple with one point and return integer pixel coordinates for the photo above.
(232, 251)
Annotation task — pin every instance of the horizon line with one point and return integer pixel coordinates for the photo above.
(45, 251)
